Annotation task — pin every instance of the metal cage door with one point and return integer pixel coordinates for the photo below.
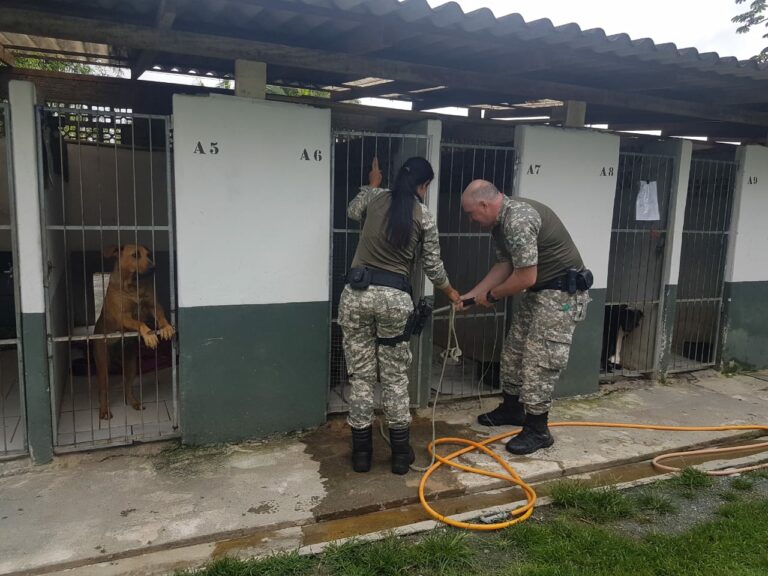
(353, 153)
(13, 430)
(106, 197)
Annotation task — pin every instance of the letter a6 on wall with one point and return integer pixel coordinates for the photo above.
(317, 155)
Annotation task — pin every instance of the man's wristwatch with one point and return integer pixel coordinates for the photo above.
(491, 298)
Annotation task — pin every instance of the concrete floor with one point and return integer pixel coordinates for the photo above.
(148, 509)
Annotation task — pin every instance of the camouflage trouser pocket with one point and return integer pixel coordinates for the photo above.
(557, 349)
(579, 308)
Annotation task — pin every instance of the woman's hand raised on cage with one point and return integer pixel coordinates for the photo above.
(374, 176)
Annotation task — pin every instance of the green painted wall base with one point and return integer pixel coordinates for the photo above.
(582, 375)
(248, 371)
(745, 326)
(37, 391)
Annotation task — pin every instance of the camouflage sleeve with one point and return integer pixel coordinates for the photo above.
(498, 246)
(356, 208)
(430, 250)
(521, 232)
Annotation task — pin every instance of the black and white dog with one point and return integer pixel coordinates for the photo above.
(619, 321)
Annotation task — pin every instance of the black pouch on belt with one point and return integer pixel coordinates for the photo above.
(578, 280)
(359, 278)
(584, 280)
(421, 314)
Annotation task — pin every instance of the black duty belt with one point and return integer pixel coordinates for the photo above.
(572, 281)
(361, 277)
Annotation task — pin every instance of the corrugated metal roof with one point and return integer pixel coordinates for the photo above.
(445, 38)
(318, 20)
(451, 16)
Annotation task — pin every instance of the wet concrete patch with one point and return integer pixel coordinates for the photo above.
(351, 493)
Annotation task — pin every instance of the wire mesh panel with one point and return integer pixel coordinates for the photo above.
(704, 249)
(353, 153)
(636, 263)
(13, 440)
(107, 204)
(468, 254)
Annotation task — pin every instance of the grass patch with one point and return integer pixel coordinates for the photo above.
(729, 496)
(568, 548)
(742, 483)
(439, 552)
(689, 481)
(653, 502)
(279, 564)
(444, 550)
(594, 504)
(388, 557)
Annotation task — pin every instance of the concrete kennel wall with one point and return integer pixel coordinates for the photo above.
(745, 328)
(22, 98)
(420, 377)
(574, 173)
(253, 229)
(681, 151)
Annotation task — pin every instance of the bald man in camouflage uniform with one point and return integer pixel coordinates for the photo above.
(373, 319)
(534, 253)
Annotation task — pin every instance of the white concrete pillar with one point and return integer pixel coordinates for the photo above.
(250, 79)
(22, 99)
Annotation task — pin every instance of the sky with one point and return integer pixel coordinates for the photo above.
(702, 24)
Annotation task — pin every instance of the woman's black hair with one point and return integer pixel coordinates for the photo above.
(414, 172)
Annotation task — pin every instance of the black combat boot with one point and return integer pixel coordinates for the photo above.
(402, 453)
(362, 449)
(511, 412)
(534, 436)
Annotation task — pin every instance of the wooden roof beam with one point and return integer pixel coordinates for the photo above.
(166, 15)
(6, 57)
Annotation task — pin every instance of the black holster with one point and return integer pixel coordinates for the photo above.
(578, 280)
(359, 278)
(413, 327)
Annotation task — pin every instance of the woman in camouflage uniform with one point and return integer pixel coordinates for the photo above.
(376, 303)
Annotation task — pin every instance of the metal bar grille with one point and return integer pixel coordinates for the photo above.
(107, 205)
(13, 431)
(636, 263)
(353, 153)
(468, 255)
(704, 248)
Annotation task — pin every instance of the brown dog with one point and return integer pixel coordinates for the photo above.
(128, 304)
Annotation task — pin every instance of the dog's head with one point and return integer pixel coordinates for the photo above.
(132, 259)
(629, 318)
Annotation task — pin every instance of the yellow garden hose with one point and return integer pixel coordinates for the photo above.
(523, 512)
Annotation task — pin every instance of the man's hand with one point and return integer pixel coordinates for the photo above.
(453, 295)
(481, 300)
(374, 176)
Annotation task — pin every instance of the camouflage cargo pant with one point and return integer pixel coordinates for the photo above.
(539, 344)
(364, 315)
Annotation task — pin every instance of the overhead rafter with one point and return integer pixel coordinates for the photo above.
(6, 57)
(202, 44)
(377, 90)
(166, 15)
